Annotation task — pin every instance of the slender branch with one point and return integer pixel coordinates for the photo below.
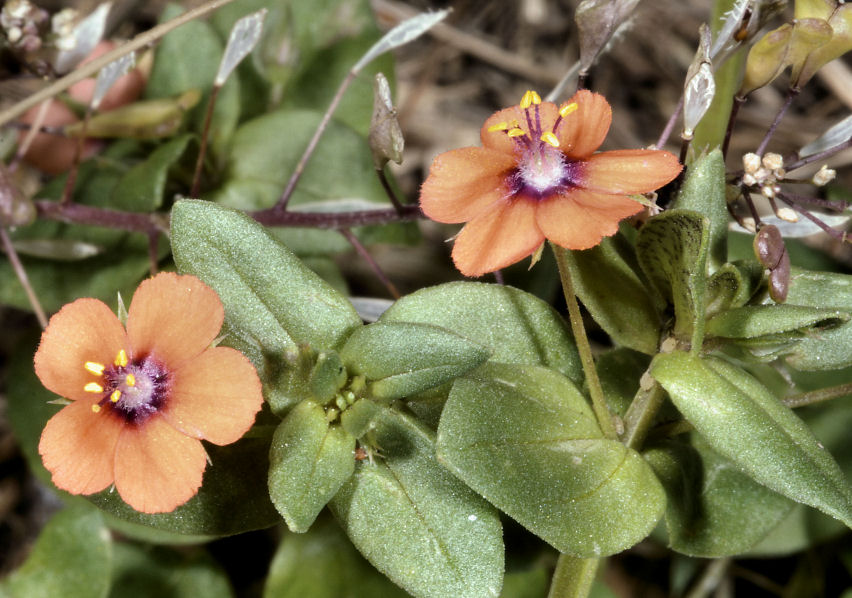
(383, 179)
(818, 156)
(595, 390)
(374, 265)
(90, 68)
(205, 135)
(835, 205)
(729, 130)
(818, 396)
(312, 144)
(21, 273)
(670, 125)
(159, 222)
(640, 415)
(710, 579)
(791, 95)
(837, 234)
(573, 577)
(684, 148)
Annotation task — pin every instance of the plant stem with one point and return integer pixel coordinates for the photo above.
(383, 179)
(710, 579)
(374, 266)
(205, 134)
(818, 156)
(670, 125)
(598, 400)
(640, 415)
(729, 130)
(818, 396)
(18, 267)
(90, 68)
(573, 577)
(312, 144)
(791, 95)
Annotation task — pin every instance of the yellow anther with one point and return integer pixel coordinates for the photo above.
(516, 132)
(121, 359)
(93, 387)
(550, 139)
(116, 394)
(96, 408)
(568, 109)
(530, 98)
(498, 127)
(130, 380)
(94, 367)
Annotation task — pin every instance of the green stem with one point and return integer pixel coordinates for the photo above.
(573, 577)
(598, 401)
(817, 396)
(640, 415)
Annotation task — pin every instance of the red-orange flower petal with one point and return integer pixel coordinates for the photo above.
(157, 468)
(463, 183)
(85, 330)
(77, 447)
(215, 396)
(173, 318)
(583, 131)
(580, 219)
(629, 171)
(497, 238)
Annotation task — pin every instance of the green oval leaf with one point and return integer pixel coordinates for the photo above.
(615, 296)
(752, 321)
(71, 558)
(703, 191)
(146, 571)
(515, 326)
(323, 564)
(309, 461)
(524, 437)
(415, 522)
(141, 188)
(672, 250)
(713, 509)
(744, 422)
(273, 302)
(400, 359)
(830, 349)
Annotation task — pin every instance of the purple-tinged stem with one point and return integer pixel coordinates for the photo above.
(312, 145)
(499, 278)
(839, 235)
(791, 95)
(202, 151)
(819, 156)
(834, 205)
(383, 179)
(332, 220)
(374, 266)
(75, 213)
(670, 125)
(729, 130)
(21, 273)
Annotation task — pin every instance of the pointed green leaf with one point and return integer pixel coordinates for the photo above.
(71, 558)
(358, 419)
(830, 349)
(400, 359)
(713, 508)
(615, 296)
(417, 523)
(273, 302)
(672, 250)
(323, 564)
(743, 421)
(525, 438)
(752, 321)
(515, 326)
(703, 191)
(141, 188)
(309, 461)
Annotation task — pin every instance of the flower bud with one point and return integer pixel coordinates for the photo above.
(386, 140)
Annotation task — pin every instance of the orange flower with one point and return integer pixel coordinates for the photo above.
(537, 177)
(142, 398)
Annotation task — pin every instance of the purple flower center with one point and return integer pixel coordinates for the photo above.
(135, 390)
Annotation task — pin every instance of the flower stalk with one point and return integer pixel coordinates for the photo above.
(595, 390)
